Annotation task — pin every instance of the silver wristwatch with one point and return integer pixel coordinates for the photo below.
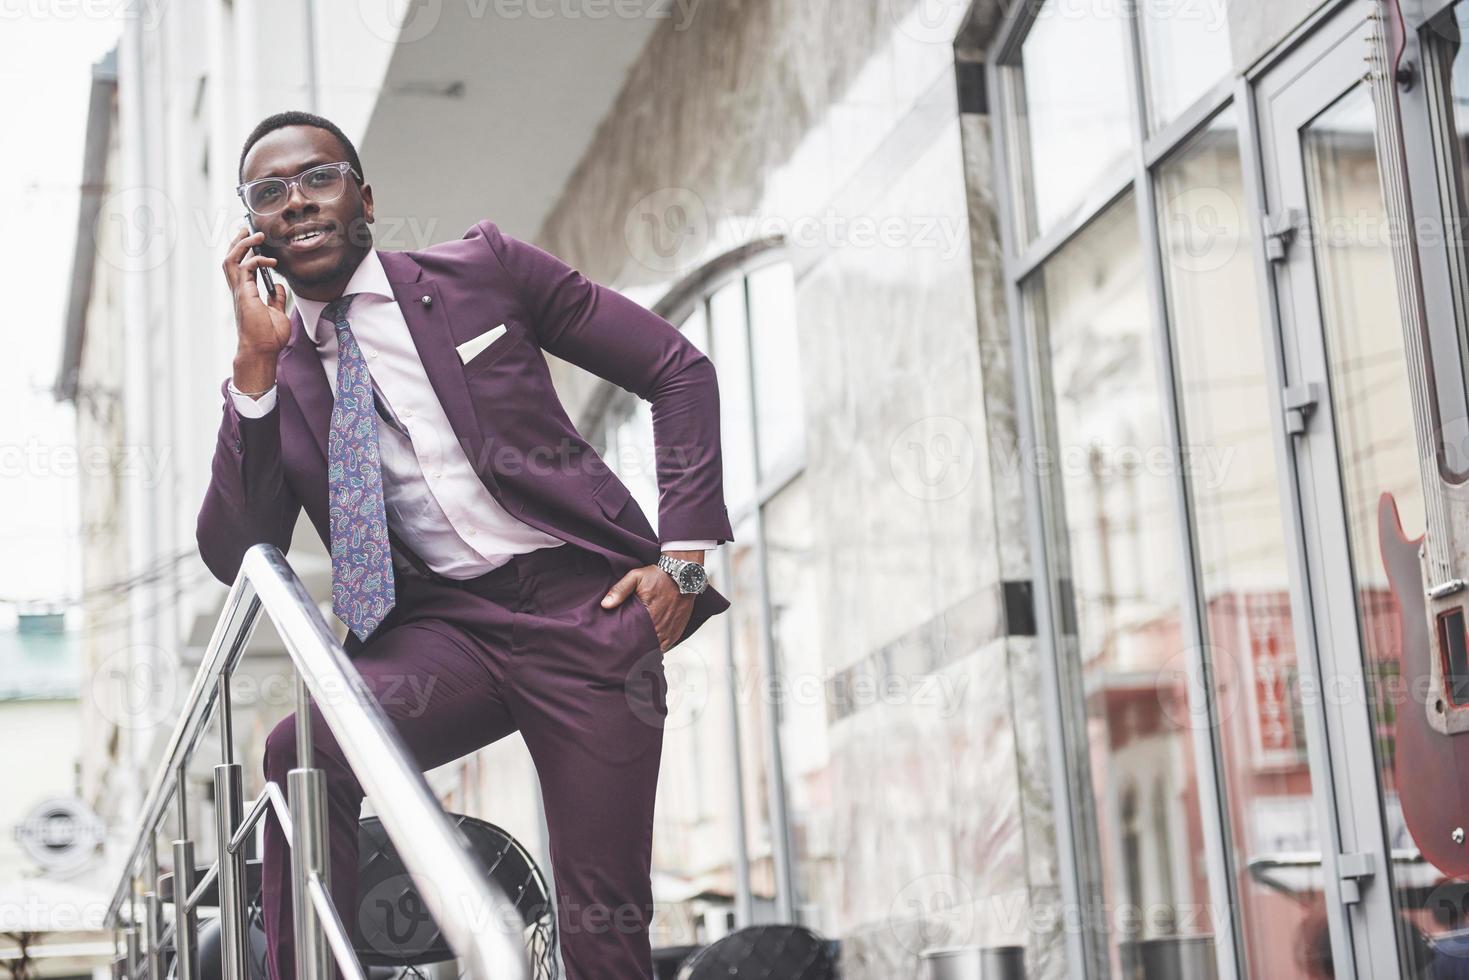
(688, 575)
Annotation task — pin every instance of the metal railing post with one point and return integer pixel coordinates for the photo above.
(228, 815)
(130, 937)
(226, 716)
(185, 919)
(309, 858)
(150, 934)
(153, 914)
(305, 754)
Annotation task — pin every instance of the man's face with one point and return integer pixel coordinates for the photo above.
(328, 258)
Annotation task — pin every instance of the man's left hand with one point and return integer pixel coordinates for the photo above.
(656, 590)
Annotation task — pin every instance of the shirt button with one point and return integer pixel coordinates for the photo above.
(437, 474)
(408, 413)
(470, 532)
(372, 353)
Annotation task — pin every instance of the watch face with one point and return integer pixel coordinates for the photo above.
(691, 578)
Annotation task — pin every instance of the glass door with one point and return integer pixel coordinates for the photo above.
(1346, 426)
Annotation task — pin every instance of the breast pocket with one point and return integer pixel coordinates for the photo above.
(494, 345)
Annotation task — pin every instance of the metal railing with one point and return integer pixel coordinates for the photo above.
(478, 922)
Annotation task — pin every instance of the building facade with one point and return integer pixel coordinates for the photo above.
(1066, 352)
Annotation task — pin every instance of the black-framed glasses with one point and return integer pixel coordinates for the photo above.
(320, 184)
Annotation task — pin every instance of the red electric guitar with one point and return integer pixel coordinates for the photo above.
(1432, 701)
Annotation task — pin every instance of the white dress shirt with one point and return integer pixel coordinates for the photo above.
(434, 499)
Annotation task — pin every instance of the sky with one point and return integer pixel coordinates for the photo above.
(46, 53)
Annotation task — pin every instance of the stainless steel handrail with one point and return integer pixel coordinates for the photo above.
(479, 923)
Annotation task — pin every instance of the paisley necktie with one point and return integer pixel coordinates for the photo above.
(362, 561)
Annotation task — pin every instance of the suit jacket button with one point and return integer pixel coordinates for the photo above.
(427, 301)
(238, 444)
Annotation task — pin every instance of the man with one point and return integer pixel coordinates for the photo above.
(481, 549)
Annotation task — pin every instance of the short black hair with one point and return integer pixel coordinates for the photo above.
(295, 117)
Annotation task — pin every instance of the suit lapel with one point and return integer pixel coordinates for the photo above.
(428, 325)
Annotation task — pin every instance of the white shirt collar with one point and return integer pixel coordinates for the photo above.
(369, 277)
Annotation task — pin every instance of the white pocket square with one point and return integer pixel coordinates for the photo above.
(473, 346)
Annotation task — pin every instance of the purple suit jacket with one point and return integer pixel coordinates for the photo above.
(503, 410)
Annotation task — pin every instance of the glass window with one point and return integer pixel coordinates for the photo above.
(775, 355)
(1115, 547)
(729, 331)
(751, 684)
(1075, 105)
(1240, 541)
(801, 707)
(1186, 48)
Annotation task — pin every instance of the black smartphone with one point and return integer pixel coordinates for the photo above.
(265, 275)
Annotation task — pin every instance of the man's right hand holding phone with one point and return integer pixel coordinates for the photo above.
(263, 328)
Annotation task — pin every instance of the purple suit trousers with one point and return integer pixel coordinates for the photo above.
(529, 648)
